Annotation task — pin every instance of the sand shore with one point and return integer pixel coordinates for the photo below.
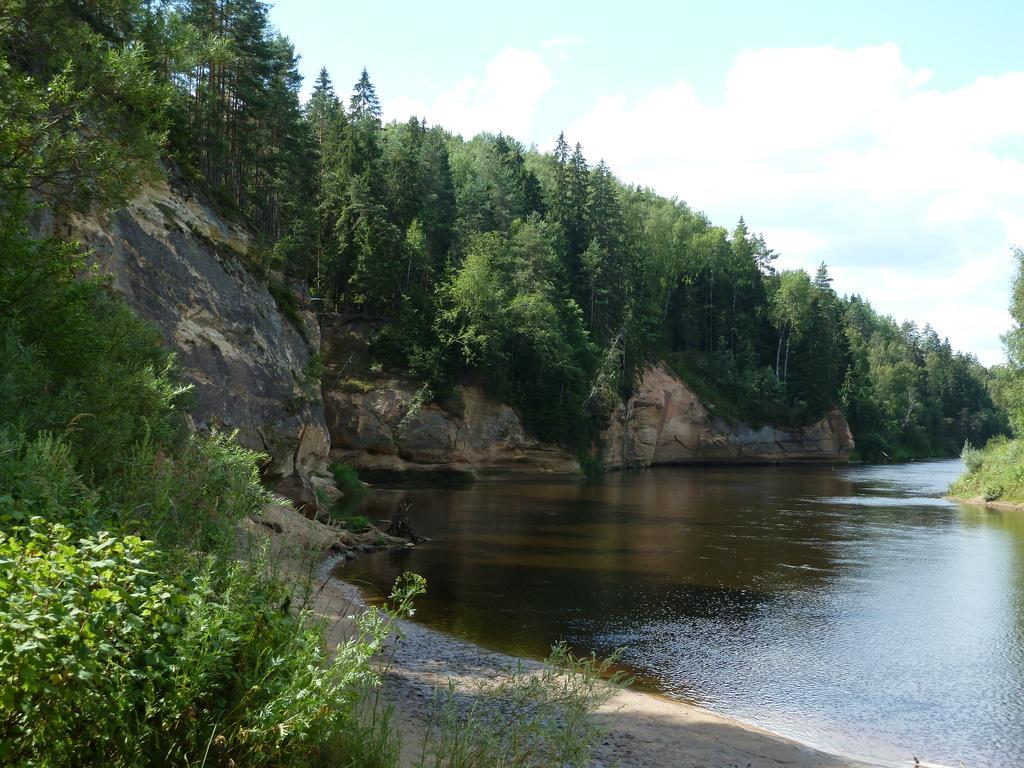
(642, 730)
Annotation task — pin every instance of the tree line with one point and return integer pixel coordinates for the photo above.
(538, 274)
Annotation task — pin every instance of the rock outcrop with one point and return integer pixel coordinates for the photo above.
(183, 267)
(664, 422)
(253, 370)
(378, 422)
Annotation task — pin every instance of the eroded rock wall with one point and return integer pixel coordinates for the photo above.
(665, 423)
(183, 267)
(378, 422)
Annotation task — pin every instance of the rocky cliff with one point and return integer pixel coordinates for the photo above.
(255, 371)
(377, 422)
(664, 422)
(185, 268)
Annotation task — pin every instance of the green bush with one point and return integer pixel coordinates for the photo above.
(86, 639)
(995, 472)
(972, 457)
(104, 662)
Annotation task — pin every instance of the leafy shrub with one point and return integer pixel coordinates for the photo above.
(86, 635)
(75, 361)
(104, 662)
(347, 479)
(991, 492)
(995, 472)
(972, 457)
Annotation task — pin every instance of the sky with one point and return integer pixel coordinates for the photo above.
(885, 139)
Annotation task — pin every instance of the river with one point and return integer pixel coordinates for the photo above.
(851, 608)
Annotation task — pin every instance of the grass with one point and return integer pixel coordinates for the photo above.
(993, 473)
(356, 386)
(522, 718)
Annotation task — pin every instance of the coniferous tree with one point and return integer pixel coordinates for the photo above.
(364, 103)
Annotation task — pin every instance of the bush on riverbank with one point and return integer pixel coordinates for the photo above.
(993, 473)
(129, 633)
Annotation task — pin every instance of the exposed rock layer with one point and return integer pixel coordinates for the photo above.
(664, 422)
(376, 422)
(183, 267)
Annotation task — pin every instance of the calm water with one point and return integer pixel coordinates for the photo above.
(851, 608)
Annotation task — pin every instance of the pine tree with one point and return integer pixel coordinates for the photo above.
(560, 201)
(364, 103)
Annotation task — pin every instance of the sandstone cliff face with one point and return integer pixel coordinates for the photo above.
(180, 266)
(664, 423)
(377, 422)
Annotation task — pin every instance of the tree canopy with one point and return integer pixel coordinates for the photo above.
(538, 274)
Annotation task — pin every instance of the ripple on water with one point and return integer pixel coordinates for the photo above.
(852, 609)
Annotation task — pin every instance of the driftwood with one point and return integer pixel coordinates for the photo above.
(400, 525)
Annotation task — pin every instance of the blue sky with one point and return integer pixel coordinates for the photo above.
(886, 139)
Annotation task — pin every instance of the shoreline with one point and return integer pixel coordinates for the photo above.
(642, 729)
(978, 501)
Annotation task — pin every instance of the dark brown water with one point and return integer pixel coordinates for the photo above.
(851, 608)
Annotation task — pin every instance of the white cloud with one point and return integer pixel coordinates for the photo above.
(503, 100)
(851, 157)
(795, 241)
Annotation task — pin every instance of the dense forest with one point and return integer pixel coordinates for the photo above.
(538, 274)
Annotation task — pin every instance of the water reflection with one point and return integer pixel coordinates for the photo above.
(848, 607)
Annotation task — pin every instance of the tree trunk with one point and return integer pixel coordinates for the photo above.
(778, 350)
(785, 367)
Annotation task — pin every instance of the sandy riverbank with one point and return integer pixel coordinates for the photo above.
(642, 730)
(978, 501)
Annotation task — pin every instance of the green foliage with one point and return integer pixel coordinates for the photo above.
(347, 479)
(733, 393)
(971, 457)
(104, 662)
(353, 491)
(908, 394)
(73, 359)
(1012, 384)
(82, 111)
(86, 638)
(286, 301)
(995, 472)
(552, 284)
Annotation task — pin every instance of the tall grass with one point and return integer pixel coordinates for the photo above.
(522, 718)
